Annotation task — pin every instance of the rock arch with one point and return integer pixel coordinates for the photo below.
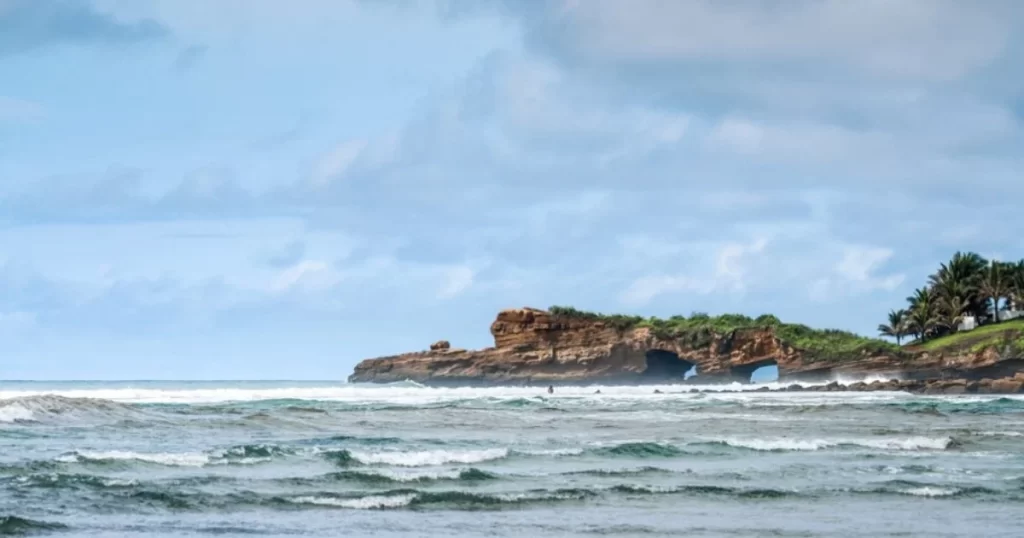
(743, 372)
(665, 365)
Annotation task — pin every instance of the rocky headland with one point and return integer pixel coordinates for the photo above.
(564, 346)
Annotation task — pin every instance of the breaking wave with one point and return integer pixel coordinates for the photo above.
(783, 445)
(236, 455)
(444, 499)
(642, 450)
(384, 476)
(44, 407)
(423, 458)
(20, 526)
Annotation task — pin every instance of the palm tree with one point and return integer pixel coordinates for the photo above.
(1017, 284)
(960, 276)
(951, 310)
(994, 286)
(897, 325)
(921, 315)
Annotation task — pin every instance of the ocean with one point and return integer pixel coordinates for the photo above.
(331, 459)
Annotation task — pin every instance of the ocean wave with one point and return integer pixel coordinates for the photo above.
(38, 408)
(641, 450)
(412, 395)
(929, 491)
(443, 499)
(555, 452)
(187, 459)
(235, 455)
(20, 526)
(922, 489)
(424, 458)
(704, 490)
(796, 445)
(1000, 434)
(370, 502)
(72, 480)
(382, 476)
(254, 453)
(635, 471)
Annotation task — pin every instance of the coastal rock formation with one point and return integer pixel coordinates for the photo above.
(533, 346)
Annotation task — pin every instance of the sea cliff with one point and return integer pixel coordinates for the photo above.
(562, 346)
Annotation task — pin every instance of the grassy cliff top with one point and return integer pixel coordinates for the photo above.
(1000, 335)
(698, 329)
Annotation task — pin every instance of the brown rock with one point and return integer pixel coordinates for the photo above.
(534, 346)
(1007, 386)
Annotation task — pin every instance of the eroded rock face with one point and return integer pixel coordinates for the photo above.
(533, 346)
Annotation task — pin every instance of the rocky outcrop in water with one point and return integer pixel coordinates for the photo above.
(534, 346)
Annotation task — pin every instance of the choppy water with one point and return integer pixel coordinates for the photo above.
(321, 459)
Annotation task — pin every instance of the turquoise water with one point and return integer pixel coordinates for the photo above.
(329, 459)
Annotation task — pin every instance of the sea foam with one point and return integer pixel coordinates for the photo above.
(906, 443)
(429, 457)
(370, 502)
(194, 459)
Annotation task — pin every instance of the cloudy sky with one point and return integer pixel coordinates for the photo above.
(264, 189)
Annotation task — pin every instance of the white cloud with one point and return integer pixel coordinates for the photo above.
(307, 276)
(927, 39)
(856, 272)
(859, 262)
(333, 165)
(646, 288)
(456, 280)
(728, 273)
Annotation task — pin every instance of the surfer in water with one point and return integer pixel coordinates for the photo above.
(551, 389)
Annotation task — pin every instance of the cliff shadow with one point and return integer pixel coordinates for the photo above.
(764, 371)
(666, 365)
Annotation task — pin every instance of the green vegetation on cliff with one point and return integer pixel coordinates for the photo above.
(699, 329)
(1004, 335)
(966, 288)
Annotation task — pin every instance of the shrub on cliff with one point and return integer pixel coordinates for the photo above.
(699, 330)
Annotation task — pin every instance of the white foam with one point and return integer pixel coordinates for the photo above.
(429, 457)
(553, 452)
(930, 491)
(907, 443)
(14, 413)
(362, 503)
(164, 458)
(411, 394)
(414, 476)
(1000, 434)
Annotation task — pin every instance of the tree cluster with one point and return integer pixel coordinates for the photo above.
(966, 285)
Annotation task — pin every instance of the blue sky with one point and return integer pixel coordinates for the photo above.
(264, 189)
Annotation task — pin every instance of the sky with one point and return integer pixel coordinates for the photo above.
(195, 189)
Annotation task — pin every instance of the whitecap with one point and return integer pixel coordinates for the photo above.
(15, 413)
(908, 443)
(552, 452)
(429, 457)
(186, 459)
(416, 476)
(931, 491)
(362, 503)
